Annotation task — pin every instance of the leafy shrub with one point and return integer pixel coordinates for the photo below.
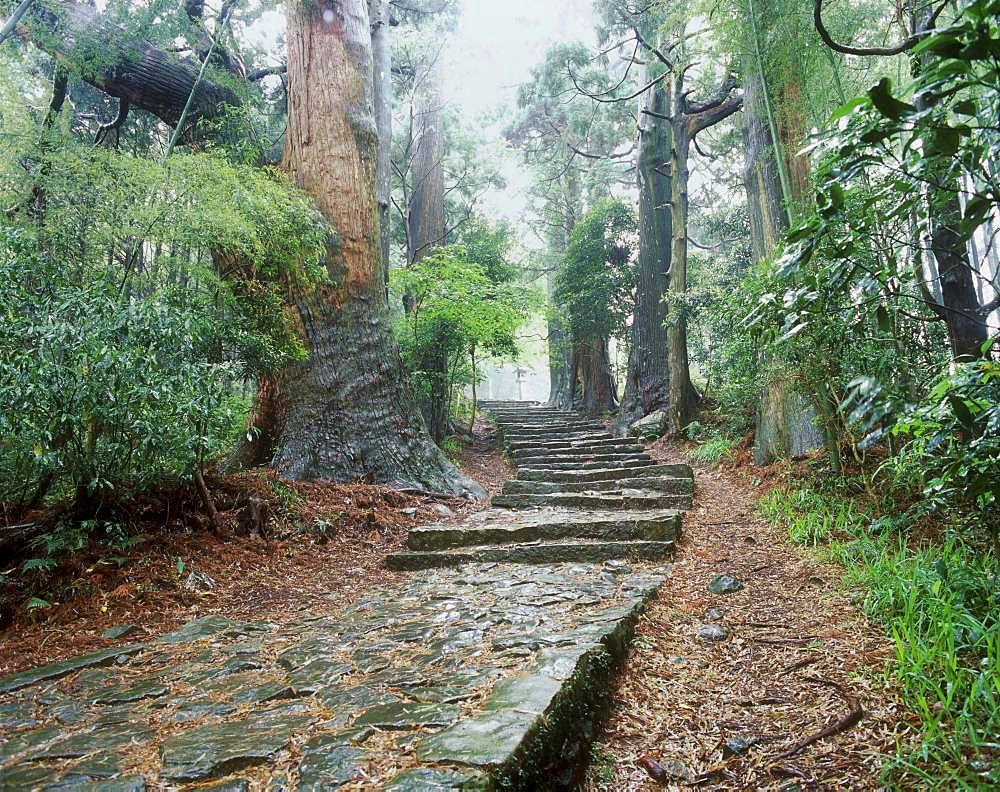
(99, 389)
(713, 451)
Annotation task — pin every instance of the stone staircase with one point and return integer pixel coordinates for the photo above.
(581, 495)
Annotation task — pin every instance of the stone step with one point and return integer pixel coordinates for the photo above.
(547, 460)
(673, 485)
(593, 439)
(578, 450)
(549, 426)
(564, 466)
(499, 526)
(553, 435)
(635, 499)
(539, 553)
(576, 473)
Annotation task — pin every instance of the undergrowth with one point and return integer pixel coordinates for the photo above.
(938, 599)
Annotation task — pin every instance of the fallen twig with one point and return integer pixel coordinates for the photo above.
(854, 715)
(801, 664)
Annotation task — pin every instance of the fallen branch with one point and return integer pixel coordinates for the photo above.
(206, 498)
(801, 664)
(854, 715)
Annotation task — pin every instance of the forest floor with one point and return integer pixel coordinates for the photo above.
(799, 657)
(329, 539)
(717, 715)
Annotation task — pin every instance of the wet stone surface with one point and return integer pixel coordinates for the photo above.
(426, 686)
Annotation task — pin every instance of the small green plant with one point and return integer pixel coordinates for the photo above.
(713, 451)
(601, 768)
(452, 447)
(286, 494)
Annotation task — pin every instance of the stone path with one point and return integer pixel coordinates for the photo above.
(471, 675)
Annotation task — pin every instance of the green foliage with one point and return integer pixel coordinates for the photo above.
(940, 604)
(850, 308)
(138, 297)
(595, 281)
(952, 440)
(464, 307)
(713, 451)
(103, 390)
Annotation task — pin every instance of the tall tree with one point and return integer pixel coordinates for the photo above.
(348, 411)
(577, 152)
(785, 421)
(647, 375)
(687, 120)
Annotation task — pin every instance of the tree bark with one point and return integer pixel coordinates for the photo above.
(646, 380)
(349, 411)
(592, 369)
(425, 216)
(785, 426)
(687, 120)
(381, 55)
(133, 70)
(682, 396)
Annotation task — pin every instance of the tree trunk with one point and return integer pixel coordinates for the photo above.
(562, 379)
(682, 396)
(133, 70)
(768, 216)
(560, 346)
(426, 220)
(592, 368)
(647, 373)
(381, 52)
(348, 411)
(785, 425)
(960, 308)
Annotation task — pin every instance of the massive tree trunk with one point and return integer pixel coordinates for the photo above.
(348, 411)
(785, 420)
(592, 370)
(382, 82)
(648, 373)
(425, 216)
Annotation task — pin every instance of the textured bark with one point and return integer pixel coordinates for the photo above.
(687, 120)
(768, 217)
(425, 217)
(132, 69)
(647, 373)
(382, 83)
(682, 396)
(785, 420)
(592, 370)
(349, 412)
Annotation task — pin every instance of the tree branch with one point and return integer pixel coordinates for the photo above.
(908, 44)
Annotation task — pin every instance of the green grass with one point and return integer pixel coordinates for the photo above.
(939, 603)
(713, 451)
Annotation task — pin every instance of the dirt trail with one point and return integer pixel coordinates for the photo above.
(797, 653)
